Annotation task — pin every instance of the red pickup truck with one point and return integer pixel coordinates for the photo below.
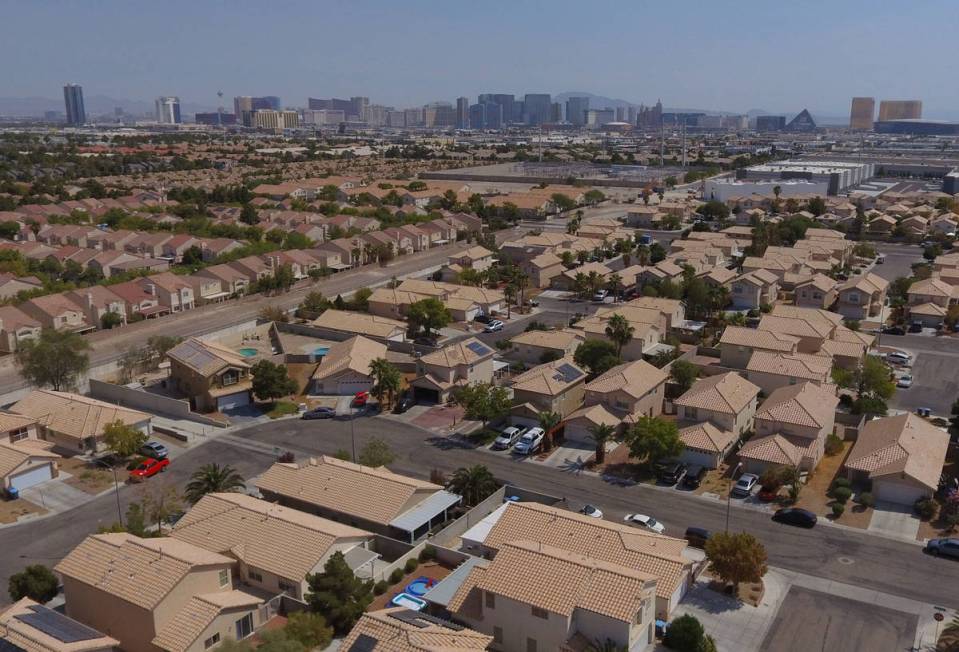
(148, 468)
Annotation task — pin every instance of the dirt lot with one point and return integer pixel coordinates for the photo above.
(814, 493)
(11, 510)
(88, 478)
(430, 569)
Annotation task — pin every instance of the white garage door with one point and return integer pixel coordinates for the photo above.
(350, 387)
(691, 456)
(33, 476)
(233, 401)
(897, 493)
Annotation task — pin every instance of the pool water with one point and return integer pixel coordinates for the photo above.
(420, 586)
(321, 350)
(408, 601)
(247, 352)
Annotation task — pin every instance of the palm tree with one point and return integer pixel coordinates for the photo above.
(386, 379)
(212, 478)
(642, 255)
(595, 280)
(509, 293)
(580, 284)
(474, 484)
(949, 641)
(601, 433)
(615, 286)
(548, 422)
(619, 331)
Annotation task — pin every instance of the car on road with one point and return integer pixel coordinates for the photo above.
(600, 295)
(404, 404)
(648, 522)
(943, 547)
(795, 516)
(893, 330)
(744, 486)
(696, 536)
(360, 399)
(148, 468)
(904, 382)
(530, 442)
(695, 475)
(589, 510)
(672, 473)
(899, 358)
(319, 413)
(508, 438)
(494, 326)
(154, 449)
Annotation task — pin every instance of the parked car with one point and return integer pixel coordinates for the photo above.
(600, 295)
(648, 522)
(319, 413)
(744, 486)
(404, 404)
(360, 399)
(530, 442)
(589, 510)
(672, 473)
(154, 449)
(482, 318)
(893, 330)
(924, 411)
(148, 468)
(943, 547)
(905, 382)
(899, 358)
(696, 536)
(695, 475)
(880, 259)
(508, 438)
(795, 516)
(494, 326)
(915, 327)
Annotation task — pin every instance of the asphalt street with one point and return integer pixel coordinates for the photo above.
(935, 372)
(840, 554)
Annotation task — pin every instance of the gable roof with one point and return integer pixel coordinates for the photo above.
(903, 444)
(707, 437)
(803, 404)
(795, 365)
(465, 351)
(635, 378)
(774, 449)
(74, 415)
(17, 626)
(186, 625)
(551, 379)
(355, 354)
(728, 393)
(386, 633)
(758, 339)
(205, 358)
(560, 340)
(360, 323)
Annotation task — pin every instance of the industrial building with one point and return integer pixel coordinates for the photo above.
(838, 175)
(725, 189)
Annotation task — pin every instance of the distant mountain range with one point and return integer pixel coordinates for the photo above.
(94, 104)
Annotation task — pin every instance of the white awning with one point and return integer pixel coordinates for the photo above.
(422, 514)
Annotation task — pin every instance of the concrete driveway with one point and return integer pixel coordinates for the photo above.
(56, 495)
(572, 457)
(894, 520)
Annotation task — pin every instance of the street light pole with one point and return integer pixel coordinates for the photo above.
(352, 433)
(729, 496)
(116, 488)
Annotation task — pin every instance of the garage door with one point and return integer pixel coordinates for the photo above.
(348, 388)
(233, 401)
(33, 476)
(902, 494)
(691, 456)
(425, 395)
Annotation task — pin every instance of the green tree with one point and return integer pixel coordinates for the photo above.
(110, 320)
(562, 202)
(474, 484)
(122, 439)
(714, 211)
(387, 379)
(685, 634)
(593, 197)
(36, 582)
(483, 401)
(213, 478)
(427, 315)
(57, 359)
(278, 641)
(684, 374)
(338, 594)
(874, 379)
(272, 381)
(549, 421)
(736, 557)
(376, 453)
(620, 331)
(653, 438)
(248, 215)
(600, 434)
(160, 344)
(309, 629)
(596, 356)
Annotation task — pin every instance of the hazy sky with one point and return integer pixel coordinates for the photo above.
(723, 55)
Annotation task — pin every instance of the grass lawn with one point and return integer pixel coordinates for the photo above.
(282, 409)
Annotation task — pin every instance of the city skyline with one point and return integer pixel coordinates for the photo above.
(318, 51)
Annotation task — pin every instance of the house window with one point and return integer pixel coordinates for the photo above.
(490, 600)
(540, 613)
(224, 577)
(18, 434)
(852, 297)
(254, 575)
(498, 635)
(287, 587)
(244, 627)
(210, 642)
(530, 644)
(231, 377)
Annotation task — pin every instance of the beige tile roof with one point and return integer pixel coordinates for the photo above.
(355, 354)
(865, 283)
(360, 323)
(29, 638)
(186, 626)
(376, 494)
(283, 541)
(458, 353)
(10, 421)
(561, 340)
(139, 571)
(393, 635)
(843, 349)
(758, 339)
(594, 415)
(803, 404)
(728, 393)
(795, 365)
(820, 282)
(707, 437)
(930, 309)
(795, 327)
(844, 334)
(635, 378)
(903, 444)
(74, 415)
(933, 287)
(473, 253)
(206, 358)
(615, 543)
(13, 455)
(550, 379)
(774, 449)
(808, 314)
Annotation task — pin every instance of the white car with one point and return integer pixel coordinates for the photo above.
(904, 382)
(508, 438)
(530, 442)
(589, 510)
(647, 522)
(899, 358)
(493, 326)
(744, 486)
(600, 295)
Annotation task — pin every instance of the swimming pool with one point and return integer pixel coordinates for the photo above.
(408, 601)
(420, 586)
(321, 350)
(247, 352)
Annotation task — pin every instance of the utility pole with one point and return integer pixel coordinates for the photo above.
(684, 141)
(662, 143)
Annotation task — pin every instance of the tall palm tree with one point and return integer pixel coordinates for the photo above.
(212, 478)
(548, 422)
(949, 640)
(509, 293)
(601, 433)
(474, 484)
(619, 331)
(386, 379)
(595, 280)
(615, 286)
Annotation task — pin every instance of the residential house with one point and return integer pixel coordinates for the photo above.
(536, 346)
(804, 414)
(737, 344)
(397, 629)
(16, 327)
(761, 453)
(32, 627)
(929, 315)
(361, 323)
(819, 291)
(862, 297)
(705, 444)
(374, 499)
(215, 247)
(901, 456)
(755, 289)
(255, 268)
(140, 303)
(556, 386)
(345, 369)
(191, 604)
(567, 279)
(99, 301)
(57, 311)
(933, 290)
(727, 400)
(648, 327)
(232, 280)
(206, 289)
(881, 225)
(212, 377)
(179, 244)
(11, 285)
(25, 460)
(770, 370)
(173, 291)
(543, 269)
(76, 423)
(466, 362)
(672, 309)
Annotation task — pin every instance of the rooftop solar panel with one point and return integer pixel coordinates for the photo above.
(363, 643)
(569, 372)
(478, 348)
(55, 624)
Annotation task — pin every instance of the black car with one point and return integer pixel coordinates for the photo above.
(696, 537)
(319, 413)
(672, 473)
(404, 404)
(893, 330)
(915, 327)
(795, 516)
(943, 547)
(694, 476)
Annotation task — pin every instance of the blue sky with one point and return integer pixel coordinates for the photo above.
(725, 55)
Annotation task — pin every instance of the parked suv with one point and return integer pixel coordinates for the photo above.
(508, 438)
(530, 442)
(695, 475)
(672, 473)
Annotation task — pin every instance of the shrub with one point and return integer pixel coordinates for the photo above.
(866, 499)
(428, 553)
(411, 564)
(396, 576)
(685, 633)
(838, 509)
(842, 494)
(833, 446)
(380, 587)
(926, 508)
(841, 482)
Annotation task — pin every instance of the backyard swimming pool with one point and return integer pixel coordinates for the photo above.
(247, 352)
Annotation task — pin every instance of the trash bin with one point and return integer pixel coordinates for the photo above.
(13, 493)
